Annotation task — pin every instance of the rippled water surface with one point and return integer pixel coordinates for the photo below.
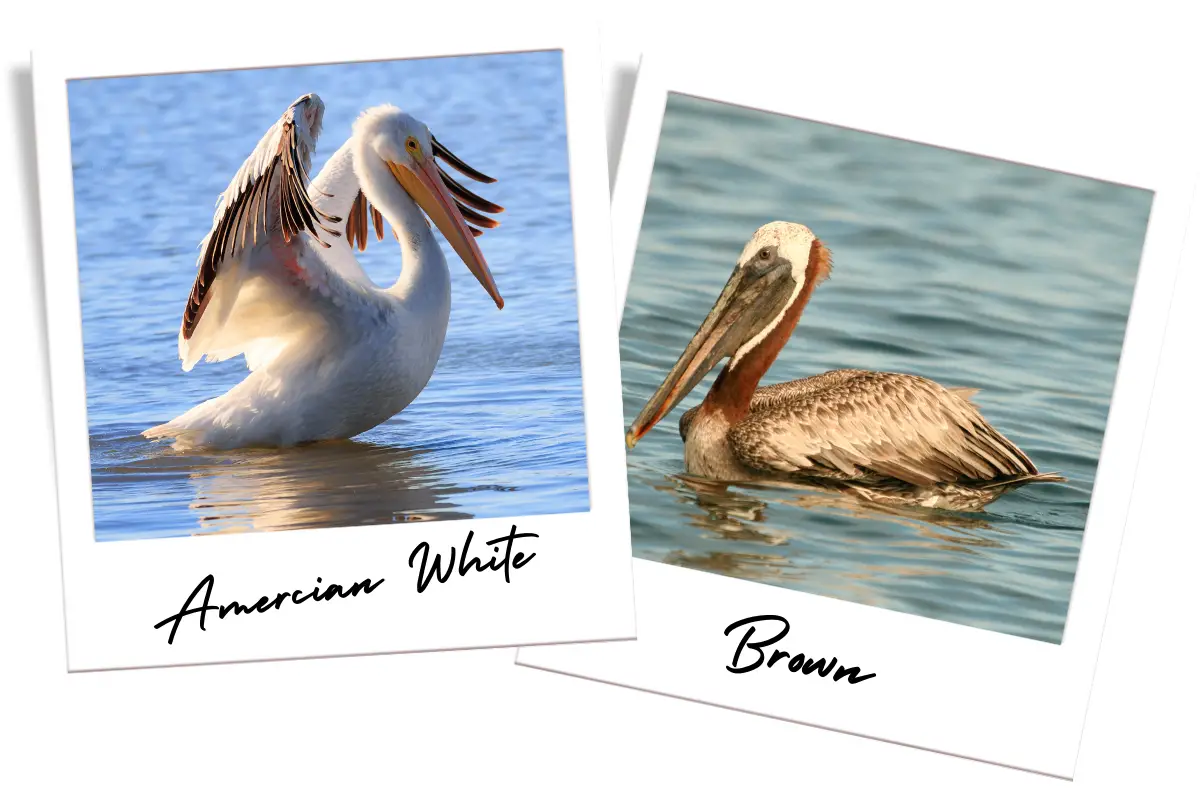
(970, 271)
(498, 430)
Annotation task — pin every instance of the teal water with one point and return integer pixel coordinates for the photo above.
(499, 429)
(968, 270)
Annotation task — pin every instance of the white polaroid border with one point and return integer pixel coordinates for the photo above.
(940, 686)
(577, 588)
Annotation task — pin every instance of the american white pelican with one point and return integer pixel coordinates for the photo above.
(894, 438)
(330, 353)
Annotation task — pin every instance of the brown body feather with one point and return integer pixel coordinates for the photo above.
(874, 428)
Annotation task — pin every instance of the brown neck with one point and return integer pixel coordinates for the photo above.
(733, 389)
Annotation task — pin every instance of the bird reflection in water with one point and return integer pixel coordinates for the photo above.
(738, 517)
(329, 484)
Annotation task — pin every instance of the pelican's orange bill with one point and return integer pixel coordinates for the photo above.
(425, 186)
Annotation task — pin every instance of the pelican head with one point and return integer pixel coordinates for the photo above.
(408, 150)
(774, 275)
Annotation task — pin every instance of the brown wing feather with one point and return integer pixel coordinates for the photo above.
(356, 222)
(441, 151)
(466, 195)
(249, 211)
(850, 423)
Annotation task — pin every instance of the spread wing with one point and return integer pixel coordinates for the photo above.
(267, 197)
(850, 423)
(266, 203)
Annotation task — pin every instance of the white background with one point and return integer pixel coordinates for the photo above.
(461, 723)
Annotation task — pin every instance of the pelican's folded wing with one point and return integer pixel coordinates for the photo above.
(850, 422)
(267, 197)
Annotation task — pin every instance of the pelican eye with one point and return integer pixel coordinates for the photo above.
(411, 145)
(764, 254)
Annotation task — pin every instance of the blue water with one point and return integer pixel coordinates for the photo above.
(499, 429)
(968, 270)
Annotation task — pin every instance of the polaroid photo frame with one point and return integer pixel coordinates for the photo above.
(344, 590)
(900, 677)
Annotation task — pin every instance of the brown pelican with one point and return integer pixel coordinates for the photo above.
(892, 437)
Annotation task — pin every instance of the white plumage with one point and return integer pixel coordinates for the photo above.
(330, 353)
